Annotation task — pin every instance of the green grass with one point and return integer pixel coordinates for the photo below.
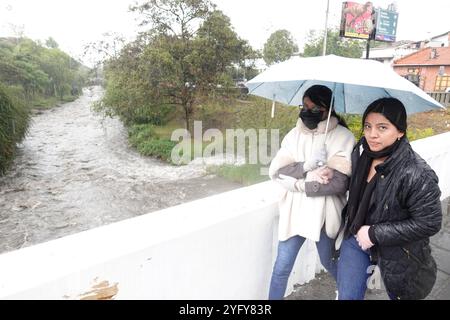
(44, 103)
(165, 132)
(144, 138)
(69, 98)
(155, 141)
(247, 174)
(160, 149)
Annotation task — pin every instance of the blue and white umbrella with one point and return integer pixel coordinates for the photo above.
(355, 83)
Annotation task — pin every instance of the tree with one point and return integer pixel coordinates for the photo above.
(337, 45)
(185, 54)
(174, 23)
(279, 47)
(109, 47)
(57, 65)
(36, 69)
(215, 48)
(51, 43)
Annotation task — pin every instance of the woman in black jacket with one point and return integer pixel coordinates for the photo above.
(393, 208)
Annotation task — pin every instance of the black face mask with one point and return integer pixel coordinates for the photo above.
(310, 119)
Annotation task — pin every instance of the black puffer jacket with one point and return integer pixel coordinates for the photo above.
(404, 211)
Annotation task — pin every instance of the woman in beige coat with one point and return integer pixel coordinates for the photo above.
(313, 175)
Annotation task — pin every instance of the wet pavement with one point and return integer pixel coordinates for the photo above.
(75, 171)
(323, 287)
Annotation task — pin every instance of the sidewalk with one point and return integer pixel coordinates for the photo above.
(323, 286)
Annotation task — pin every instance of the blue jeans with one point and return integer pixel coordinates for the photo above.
(353, 270)
(287, 253)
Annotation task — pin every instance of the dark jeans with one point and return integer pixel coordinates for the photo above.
(354, 269)
(287, 253)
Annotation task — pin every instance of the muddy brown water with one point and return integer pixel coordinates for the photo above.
(75, 171)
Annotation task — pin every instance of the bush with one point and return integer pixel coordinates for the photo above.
(160, 149)
(354, 124)
(145, 140)
(139, 133)
(130, 101)
(14, 121)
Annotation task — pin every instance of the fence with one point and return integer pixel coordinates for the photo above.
(441, 97)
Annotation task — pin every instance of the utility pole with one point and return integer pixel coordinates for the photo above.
(325, 34)
(368, 48)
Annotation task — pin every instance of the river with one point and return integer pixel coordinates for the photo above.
(75, 171)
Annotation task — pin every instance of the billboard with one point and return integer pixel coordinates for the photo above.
(356, 20)
(386, 25)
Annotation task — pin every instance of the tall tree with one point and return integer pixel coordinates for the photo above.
(337, 45)
(176, 22)
(216, 47)
(186, 52)
(279, 47)
(109, 47)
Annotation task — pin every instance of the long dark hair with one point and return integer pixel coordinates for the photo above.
(321, 96)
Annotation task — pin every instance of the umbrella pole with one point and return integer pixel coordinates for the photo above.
(329, 115)
(328, 122)
(273, 107)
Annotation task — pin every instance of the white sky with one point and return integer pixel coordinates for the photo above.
(74, 23)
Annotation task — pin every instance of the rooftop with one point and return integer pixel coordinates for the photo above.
(425, 57)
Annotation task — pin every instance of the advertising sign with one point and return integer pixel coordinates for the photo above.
(356, 20)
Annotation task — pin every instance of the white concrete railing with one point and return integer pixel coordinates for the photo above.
(436, 151)
(220, 247)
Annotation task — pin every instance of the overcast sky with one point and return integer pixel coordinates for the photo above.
(73, 23)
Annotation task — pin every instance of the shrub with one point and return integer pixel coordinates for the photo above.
(160, 149)
(145, 140)
(14, 121)
(354, 124)
(416, 134)
(139, 133)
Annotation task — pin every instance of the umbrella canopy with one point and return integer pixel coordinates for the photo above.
(355, 83)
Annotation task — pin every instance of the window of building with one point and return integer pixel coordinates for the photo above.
(442, 83)
(414, 78)
(413, 70)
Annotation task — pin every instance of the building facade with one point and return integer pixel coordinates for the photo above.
(428, 68)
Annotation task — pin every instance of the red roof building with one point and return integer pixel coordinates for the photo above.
(428, 68)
